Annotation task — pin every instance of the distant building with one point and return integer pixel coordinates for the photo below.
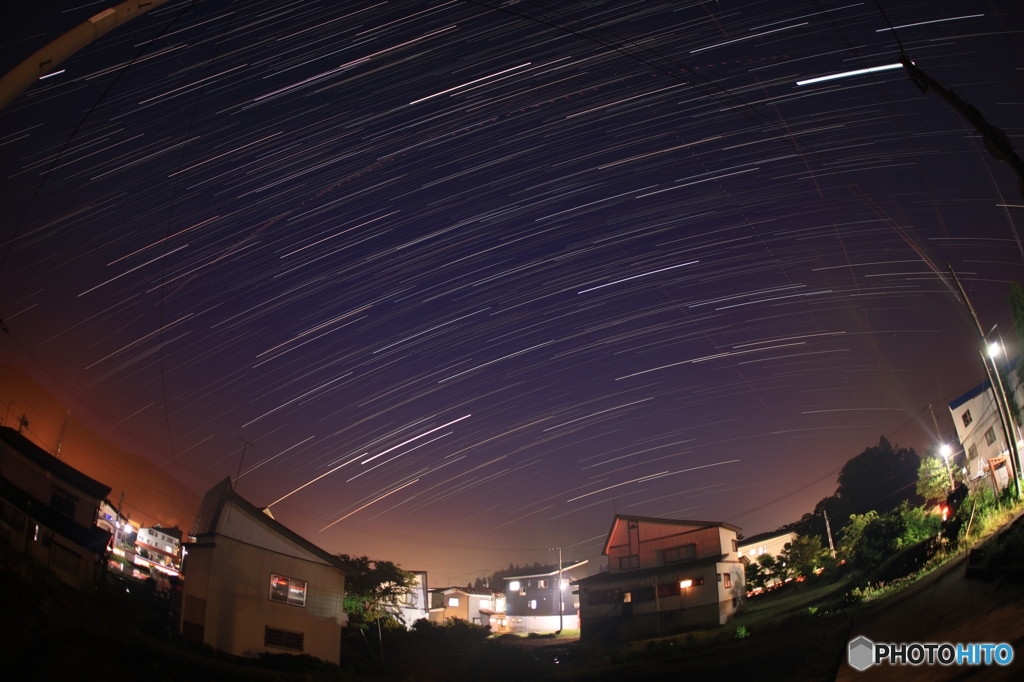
(253, 586)
(121, 531)
(533, 599)
(416, 605)
(664, 576)
(986, 461)
(160, 547)
(770, 543)
(475, 605)
(50, 510)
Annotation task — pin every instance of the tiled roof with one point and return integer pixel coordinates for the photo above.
(60, 470)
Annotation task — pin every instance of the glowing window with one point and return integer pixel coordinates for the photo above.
(453, 601)
(533, 603)
(287, 590)
(514, 585)
(542, 584)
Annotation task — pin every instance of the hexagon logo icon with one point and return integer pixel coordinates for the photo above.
(861, 654)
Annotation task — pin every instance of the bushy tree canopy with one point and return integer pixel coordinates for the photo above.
(932, 478)
(375, 590)
(879, 479)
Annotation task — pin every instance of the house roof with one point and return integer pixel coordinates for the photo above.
(673, 522)
(56, 467)
(609, 577)
(475, 591)
(545, 571)
(761, 537)
(971, 394)
(213, 505)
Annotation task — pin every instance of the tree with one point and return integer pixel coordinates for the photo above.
(375, 590)
(932, 478)
(852, 534)
(803, 555)
(879, 478)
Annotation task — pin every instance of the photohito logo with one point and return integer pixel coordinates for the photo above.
(863, 653)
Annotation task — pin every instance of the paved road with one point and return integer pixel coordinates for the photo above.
(945, 607)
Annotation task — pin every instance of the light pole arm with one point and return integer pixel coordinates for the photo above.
(21, 77)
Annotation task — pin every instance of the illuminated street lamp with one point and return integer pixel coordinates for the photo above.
(946, 451)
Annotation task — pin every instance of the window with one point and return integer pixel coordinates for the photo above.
(644, 594)
(735, 545)
(453, 601)
(966, 416)
(727, 580)
(627, 597)
(64, 559)
(666, 616)
(287, 591)
(990, 436)
(602, 597)
(669, 590)
(63, 502)
(542, 584)
(522, 591)
(485, 604)
(533, 603)
(13, 518)
(972, 452)
(684, 553)
(283, 639)
(513, 586)
(628, 562)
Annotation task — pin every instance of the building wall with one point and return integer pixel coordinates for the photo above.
(517, 601)
(649, 540)
(227, 595)
(40, 484)
(417, 604)
(984, 419)
(237, 524)
(771, 546)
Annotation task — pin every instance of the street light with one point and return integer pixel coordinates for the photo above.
(993, 350)
(946, 451)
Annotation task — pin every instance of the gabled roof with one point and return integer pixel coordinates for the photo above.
(213, 506)
(56, 467)
(761, 537)
(671, 522)
(474, 591)
(545, 571)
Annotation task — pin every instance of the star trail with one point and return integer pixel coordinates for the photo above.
(474, 275)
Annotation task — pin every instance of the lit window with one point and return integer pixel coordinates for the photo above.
(453, 601)
(287, 590)
(990, 436)
(485, 604)
(533, 603)
(727, 580)
(685, 583)
(542, 584)
(522, 591)
(513, 586)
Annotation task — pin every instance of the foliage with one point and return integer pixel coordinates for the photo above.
(852, 533)
(803, 555)
(870, 538)
(741, 633)
(773, 569)
(932, 478)
(375, 590)
(878, 479)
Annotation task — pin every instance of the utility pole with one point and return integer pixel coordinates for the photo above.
(560, 599)
(828, 529)
(997, 388)
(22, 423)
(9, 403)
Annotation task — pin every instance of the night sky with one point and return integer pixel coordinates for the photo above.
(480, 277)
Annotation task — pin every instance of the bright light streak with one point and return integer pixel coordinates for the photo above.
(848, 74)
(51, 74)
(425, 433)
(671, 267)
(368, 504)
(934, 21)
(310, 483)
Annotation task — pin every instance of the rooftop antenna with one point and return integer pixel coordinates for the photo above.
(246, 444)
(60, 438)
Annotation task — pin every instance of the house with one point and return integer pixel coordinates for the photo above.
(117, 524)
(664, 576)
(477, 605)
(770, 543)
(416, 605)
(159, 547)
(535, 600)
(978, 427)
(253, 586)
(50, 510)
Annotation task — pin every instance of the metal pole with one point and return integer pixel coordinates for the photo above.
(1000, 397)
(560, 599)
(828, 529)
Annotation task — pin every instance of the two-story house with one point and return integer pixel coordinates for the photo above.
(534, 601)
(475, 605)
(49, 511)
(415, 605)
(986, 460)
(664, 576)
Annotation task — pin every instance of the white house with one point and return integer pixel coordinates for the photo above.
(416, 605)
(986, 459)
(535, 599)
